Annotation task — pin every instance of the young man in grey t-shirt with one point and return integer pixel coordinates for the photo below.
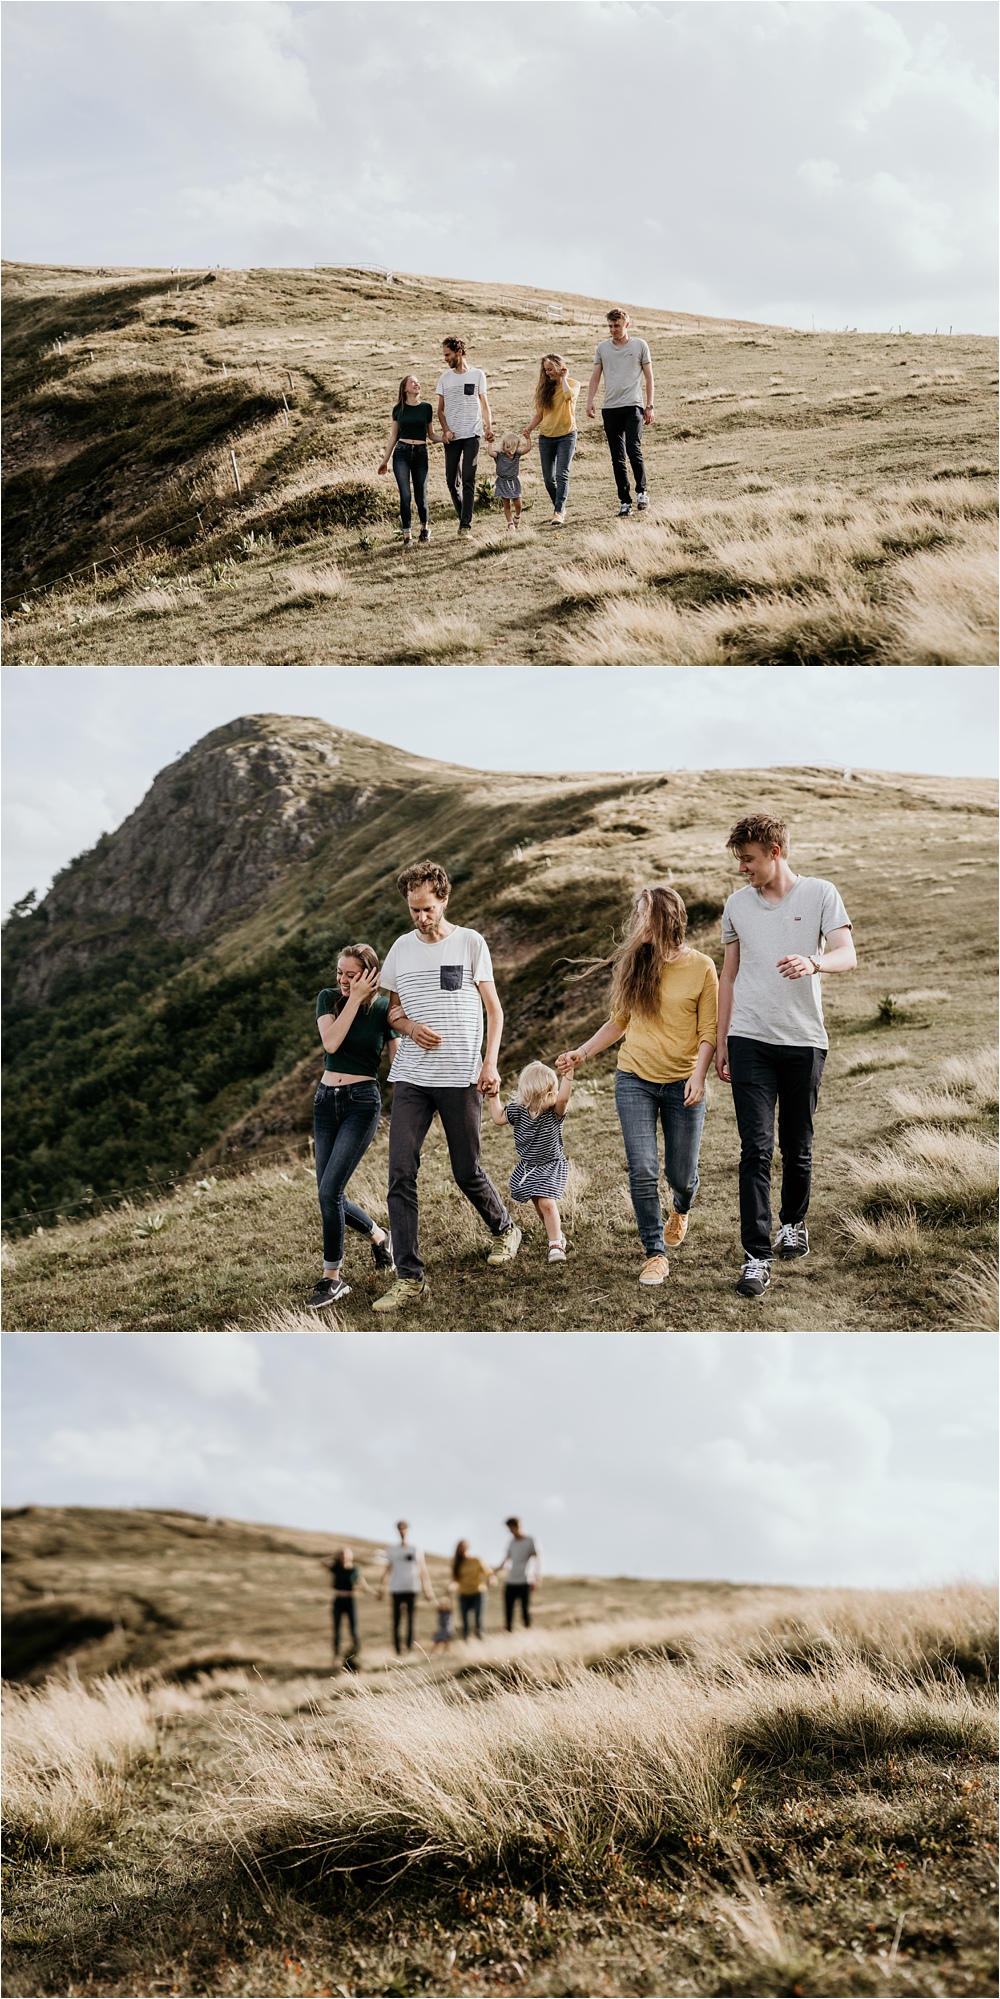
(781, 933)
(627, 367)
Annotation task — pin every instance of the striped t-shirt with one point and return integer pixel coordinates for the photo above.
(437, 986)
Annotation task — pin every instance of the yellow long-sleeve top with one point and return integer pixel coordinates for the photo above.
(560, 417)
(663, 1048)
(473, 1575)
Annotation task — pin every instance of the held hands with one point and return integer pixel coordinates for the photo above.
(489, 1080)
(447, 436)
(570, 1060)
(796, 968)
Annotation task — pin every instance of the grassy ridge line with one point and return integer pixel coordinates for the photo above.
(720, 1824)
(772, 413)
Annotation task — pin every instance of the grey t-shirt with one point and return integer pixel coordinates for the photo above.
(624, 387)
(765, 1006)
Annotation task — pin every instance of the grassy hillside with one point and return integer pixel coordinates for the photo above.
(202, 1079)
(720, 1791)
(815, 497)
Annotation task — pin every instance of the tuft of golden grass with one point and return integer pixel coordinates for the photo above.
(157, 602)
(944, 605)
(931, 1106)
(936, 1173)
(976, 1073)
(869, 1064)
(301, 587)
(451, 636)
(974, 1289)
(66, 1753)
(898, 1238)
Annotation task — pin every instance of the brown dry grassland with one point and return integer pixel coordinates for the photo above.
(722, 1791)
(816, 498)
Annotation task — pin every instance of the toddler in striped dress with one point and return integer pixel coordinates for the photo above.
(535, 1114)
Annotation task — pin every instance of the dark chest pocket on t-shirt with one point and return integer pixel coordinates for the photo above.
(451, 978)
(468, 388)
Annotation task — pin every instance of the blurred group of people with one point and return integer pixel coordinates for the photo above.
(406, 1578)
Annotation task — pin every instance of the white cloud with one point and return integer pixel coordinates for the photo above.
(757, 1457)
(213, 1364)
(241, 134)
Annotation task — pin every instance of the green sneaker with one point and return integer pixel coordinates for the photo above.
(506, 1246)
(406, 1291)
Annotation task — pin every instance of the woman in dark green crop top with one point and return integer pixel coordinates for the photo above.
(407, 447)
(353, 1022)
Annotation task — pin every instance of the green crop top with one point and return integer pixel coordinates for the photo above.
(360, 1052)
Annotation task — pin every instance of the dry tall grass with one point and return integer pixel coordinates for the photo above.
(555, 1776)
(66, 1754)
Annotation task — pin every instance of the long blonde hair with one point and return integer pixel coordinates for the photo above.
(638, 961)
(545, 387)
(368, 959)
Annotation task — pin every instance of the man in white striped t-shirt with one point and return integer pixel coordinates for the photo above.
(439, 979)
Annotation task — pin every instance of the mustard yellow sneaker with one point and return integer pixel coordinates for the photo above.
(676, 1230)
(654, 1270)
(406, 1291)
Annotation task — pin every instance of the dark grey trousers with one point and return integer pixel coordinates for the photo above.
(461, 1114)
(461, 457)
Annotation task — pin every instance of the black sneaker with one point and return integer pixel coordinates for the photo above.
(327, 1292)
(424, 535)
(756, 1277)
(624, 510)
(642, 501)
(792, 1240)
(382, 1253)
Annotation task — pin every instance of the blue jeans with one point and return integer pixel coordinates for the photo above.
(345, 1120)
(555, 455)
(641, 1106)
(409, 461)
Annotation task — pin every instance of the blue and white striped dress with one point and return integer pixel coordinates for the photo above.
(542, 1168)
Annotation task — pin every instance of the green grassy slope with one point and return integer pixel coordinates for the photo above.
(126, 393)
(209, 1068)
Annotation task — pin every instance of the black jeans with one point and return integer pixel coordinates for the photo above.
(345, 1120)
(763, 1074)
(471, 1608)
(461, 458)
(514, 1593)
(623, 430)
(403, 1599)
(461, 1114)
(409, 462)
(343, 1610)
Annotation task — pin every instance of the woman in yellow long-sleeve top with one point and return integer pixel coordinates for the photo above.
(665, 1005)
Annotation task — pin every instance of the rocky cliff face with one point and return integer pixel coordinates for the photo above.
(209, 841)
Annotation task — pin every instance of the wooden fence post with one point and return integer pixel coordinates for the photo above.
(236, 473)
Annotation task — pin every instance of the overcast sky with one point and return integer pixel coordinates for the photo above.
(827, 159)
(81, 748)
(760, 1457)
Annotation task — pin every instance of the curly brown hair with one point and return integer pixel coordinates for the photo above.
(639, 960)
(421, 872)
(762, 829)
